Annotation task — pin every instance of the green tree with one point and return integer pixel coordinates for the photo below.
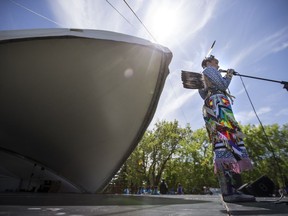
(148, 161)
(268, 151)
(181, 155)
(195, 157)
(164, 144)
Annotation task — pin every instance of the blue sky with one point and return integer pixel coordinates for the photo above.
(251, 37)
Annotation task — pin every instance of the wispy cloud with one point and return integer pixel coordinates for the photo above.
(101, 15)
(90, 14)
(200, 16)
(259, 49)
(282, 112)
(249, 116)
(173, 104)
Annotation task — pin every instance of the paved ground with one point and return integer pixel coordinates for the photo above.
(32, 204)
(263, 207)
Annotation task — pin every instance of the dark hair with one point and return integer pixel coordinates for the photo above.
(207, 59)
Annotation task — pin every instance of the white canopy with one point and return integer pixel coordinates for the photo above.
(74, 104)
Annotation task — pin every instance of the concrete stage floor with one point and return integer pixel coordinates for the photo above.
(32, 204)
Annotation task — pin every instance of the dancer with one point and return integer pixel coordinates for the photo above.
(230, 155)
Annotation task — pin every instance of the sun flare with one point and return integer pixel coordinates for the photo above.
(164, 22)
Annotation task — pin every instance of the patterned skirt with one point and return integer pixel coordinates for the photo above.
(225, 134)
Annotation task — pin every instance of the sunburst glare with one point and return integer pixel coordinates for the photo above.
(164, 22)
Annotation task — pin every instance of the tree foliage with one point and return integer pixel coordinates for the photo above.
(268, 151)
(180, 155)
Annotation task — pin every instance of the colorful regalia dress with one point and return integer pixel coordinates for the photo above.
(230, 155)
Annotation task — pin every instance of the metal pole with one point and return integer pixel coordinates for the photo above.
(285, 83)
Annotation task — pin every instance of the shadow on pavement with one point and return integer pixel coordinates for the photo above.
(37, 199)
(261, 207)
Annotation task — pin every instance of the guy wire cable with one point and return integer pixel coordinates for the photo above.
(157, 42)
(119, 12)
(44, 17)
(140, 21)
(265, 134)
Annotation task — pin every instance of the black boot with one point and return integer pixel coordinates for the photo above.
(228, 189)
